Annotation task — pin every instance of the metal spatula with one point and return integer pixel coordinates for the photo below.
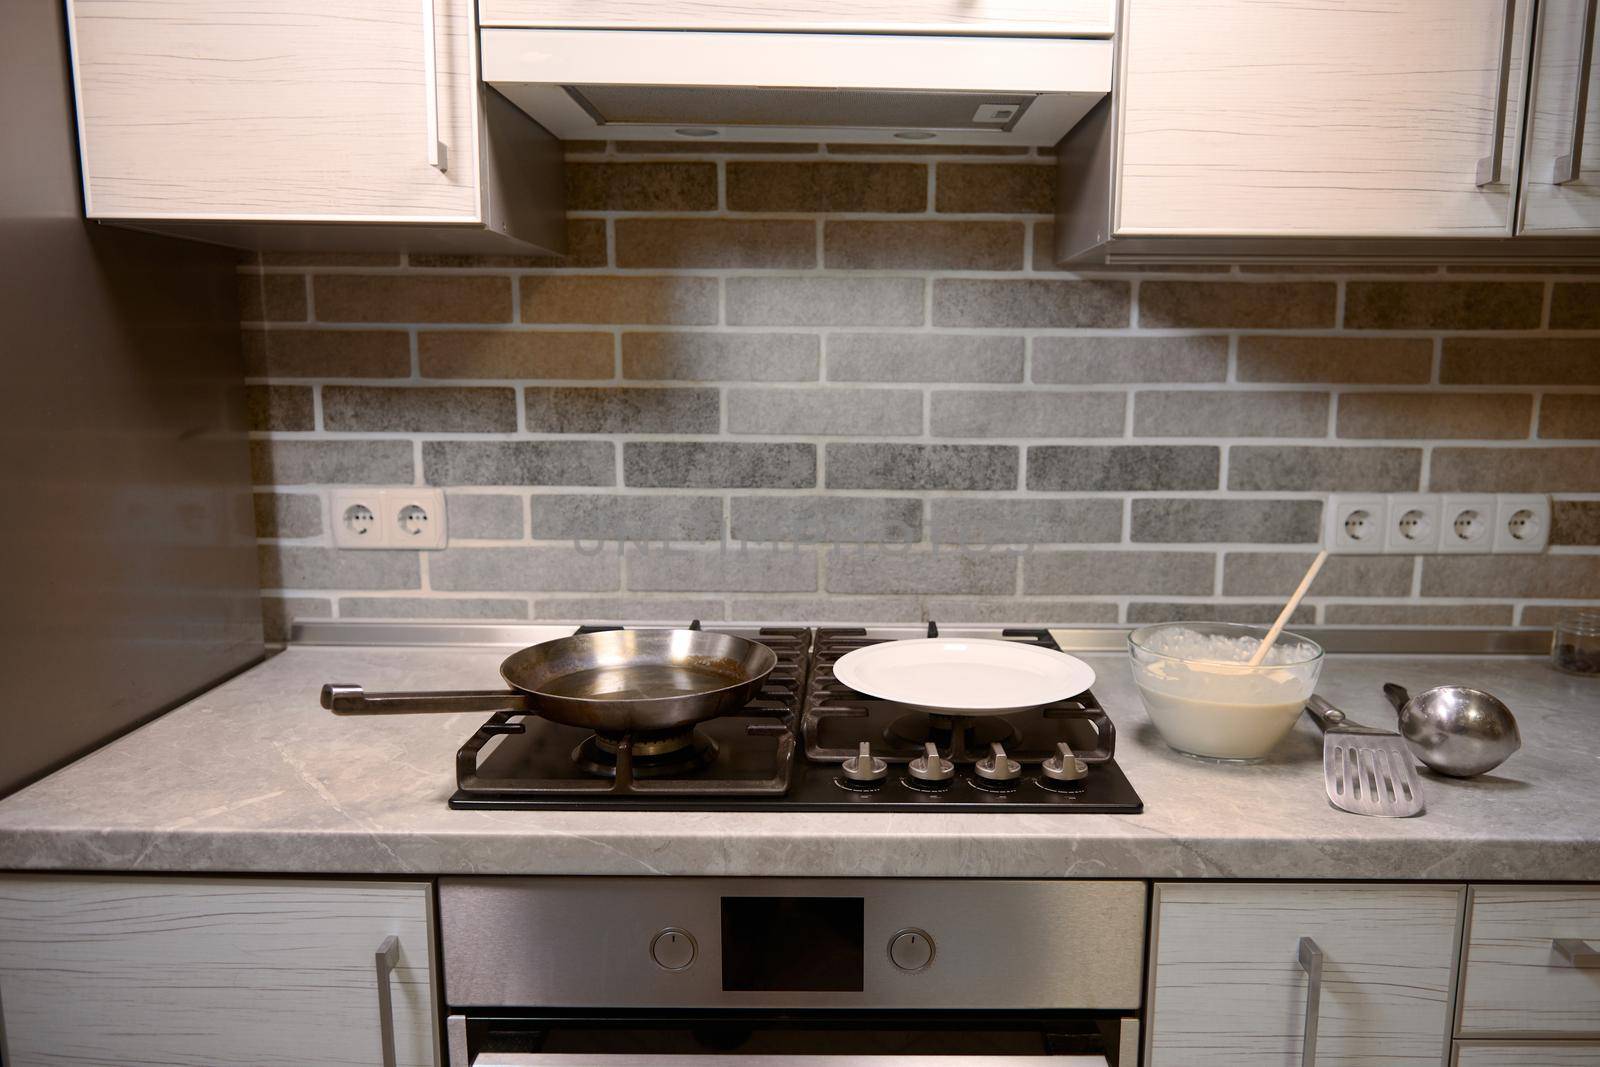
(1366, 771)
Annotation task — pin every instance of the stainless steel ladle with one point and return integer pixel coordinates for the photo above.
(1455, 730)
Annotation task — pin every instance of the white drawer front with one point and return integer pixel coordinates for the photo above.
(1227, 990)
(1515, 982)
(1541, 1054)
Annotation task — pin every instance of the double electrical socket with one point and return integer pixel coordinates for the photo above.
(1420, 523)
(402, 517)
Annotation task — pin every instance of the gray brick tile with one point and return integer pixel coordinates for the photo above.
(826, 519)
(279, 407)
(1144, 612)
(828, 411)
(1118, 573)
(621, 410)
(429, 607)
(288, 515)
(281, 353)
(514, 570)
(1016, 413)
(924, 467)
(736, 569)
(830, 301)
(316, 567)
(1114, 468)
(899, 572)
(409, 409)
(679, 610)
(996, 188)
(1005, 521)
(1214, 413)
(651, 300)
(1566, 577)
(1091, 360)
(1575, 522)
(1176, 520)
(1270, 573)
(1236, 305)
(279, 612)
(1378, 360)
(1337, 470)
(719, 465)
(586, 517)
(1417, 615)
(1038, 303)
(518, 463)
(811, 610)
(1452, 305)
(729, 357)
(1515, 470)
(890, 357)
(484, 516)
(1020, 611)
(864, 245)
(283, 462)
(412, 298)
(1435, 415)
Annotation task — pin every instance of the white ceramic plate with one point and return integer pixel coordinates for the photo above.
(959, 677)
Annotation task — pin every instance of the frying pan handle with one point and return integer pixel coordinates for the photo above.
(341, 698)
(1397, 695)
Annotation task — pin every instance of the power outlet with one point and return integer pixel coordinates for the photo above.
(1413, 524)
(1354, 524)
(402, 517)
(1522, 523)
(1467, 524)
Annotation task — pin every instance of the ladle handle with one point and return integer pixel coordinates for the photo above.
(1397, 695)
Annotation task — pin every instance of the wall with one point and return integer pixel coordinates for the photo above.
(817, 384)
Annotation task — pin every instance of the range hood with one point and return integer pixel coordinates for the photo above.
(650, 85)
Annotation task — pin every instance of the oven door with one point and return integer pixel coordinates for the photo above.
(772, 1039)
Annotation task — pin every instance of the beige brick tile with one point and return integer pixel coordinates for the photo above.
(1356, 360)
(996, 188)
(272, 298)
(279, 407)
(691, 243)
(1469, 416)
(825, 301)
(923, 245)
(327, 353)
(1093, 360)
(1575, 306)
(1575, 522)
(1220, 413)
(515, 354)
(1237, 305)
(1039, 303)
(412, 298)
(731, 357)
(646, 300)
(674, 186)
(1574, 415)
(827, 187)
(1521, 361)
(1447, 305)
(1515, 470)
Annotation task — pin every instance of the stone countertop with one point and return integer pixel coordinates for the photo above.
(255, 776)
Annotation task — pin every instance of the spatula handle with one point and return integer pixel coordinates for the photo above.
(1326, 715)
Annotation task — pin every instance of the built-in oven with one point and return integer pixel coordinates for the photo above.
(558, 972)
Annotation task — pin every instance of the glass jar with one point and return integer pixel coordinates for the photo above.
(1575, 644)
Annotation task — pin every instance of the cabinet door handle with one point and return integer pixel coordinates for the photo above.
(438, 156)
(1489, 165)
(1310, 959)
(388, 957)
(1576, 953)
(1568, 166)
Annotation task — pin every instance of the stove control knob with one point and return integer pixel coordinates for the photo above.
(911, 949)
(673, 949)
(997, 766)
(930, 766)
(864, 767)
(1064, 769)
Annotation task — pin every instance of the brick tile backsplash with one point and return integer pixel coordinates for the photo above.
(804, 382)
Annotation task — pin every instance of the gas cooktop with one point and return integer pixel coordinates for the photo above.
(807, 742)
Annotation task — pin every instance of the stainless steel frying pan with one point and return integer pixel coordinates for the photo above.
(614, 681)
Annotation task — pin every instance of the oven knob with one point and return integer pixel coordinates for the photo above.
(673, 949)
(865, 769)
(997, 767)
(911, 949)
(1064, 771)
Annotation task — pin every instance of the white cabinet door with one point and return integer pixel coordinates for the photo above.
(311, 110)
(212, 972)
(1076, 17)
(1226, 988)
(1571, 208)
(1295, 118)
(1516, 983)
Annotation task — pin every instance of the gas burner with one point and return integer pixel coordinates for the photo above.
(654, 756)
(950, 733)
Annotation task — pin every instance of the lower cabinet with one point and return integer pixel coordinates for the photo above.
(1532, 963)
(1242, 974)
(216, 972)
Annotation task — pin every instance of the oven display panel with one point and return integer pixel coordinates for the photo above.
(792, 944)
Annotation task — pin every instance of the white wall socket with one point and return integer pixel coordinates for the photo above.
(1466, 524)
(1522, 523)
(401, 517)
(1421, 523)
(1356, 523)
(1413, 523)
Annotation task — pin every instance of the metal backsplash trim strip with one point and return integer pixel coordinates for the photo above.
(1411, 641)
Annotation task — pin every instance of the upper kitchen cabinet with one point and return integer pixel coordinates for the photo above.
(1561, 174)
(305, 124)
(1292, 130)
(1031, 17)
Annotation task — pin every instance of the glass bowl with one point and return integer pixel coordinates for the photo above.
(1204, 697)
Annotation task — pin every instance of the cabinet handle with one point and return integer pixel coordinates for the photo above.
(1310, 959)
(1568, 166)
(1489, 165)
(388, 956)
(438, 156)
(1576, 953)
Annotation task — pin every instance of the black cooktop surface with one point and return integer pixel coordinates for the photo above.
(784, 752)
